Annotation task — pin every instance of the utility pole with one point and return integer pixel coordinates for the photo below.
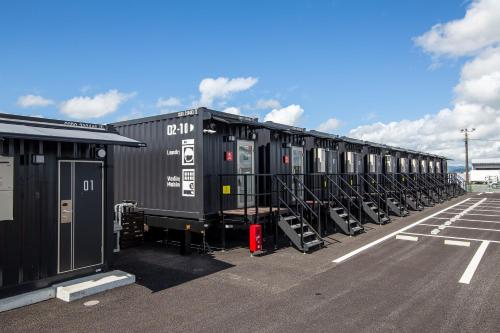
(466, 132)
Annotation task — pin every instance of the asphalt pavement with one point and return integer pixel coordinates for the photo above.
(401, 277)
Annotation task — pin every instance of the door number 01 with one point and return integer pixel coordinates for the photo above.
(88, 185)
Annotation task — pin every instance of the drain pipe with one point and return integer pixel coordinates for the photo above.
(117, 223)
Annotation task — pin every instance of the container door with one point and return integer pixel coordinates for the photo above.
(80, 214)
(246, 166)
(298, 169)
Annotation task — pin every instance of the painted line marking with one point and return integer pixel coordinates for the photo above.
(471, 269)
(485, 210)
(471, 220)
(488, 215)
(408, 238)
(456, 243)
(480, 193)
(382, 239)
(466, 213)
(457, 227)
(451, 237)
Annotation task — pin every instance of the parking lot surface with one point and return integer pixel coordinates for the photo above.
(434, 271)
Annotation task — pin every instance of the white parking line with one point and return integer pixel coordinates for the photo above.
(382, 239)
(408, 238)
(471, 220)
(451, 226)
(488, 215)
(451, 237)
(467, 213)
(456, 243)
(471, 269)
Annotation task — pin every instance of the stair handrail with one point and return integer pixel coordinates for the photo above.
(426, 186)
(302, 205)
(316, 200)
(399, 188)
(412, 187)
(378, 198)
(436, 187)
(339, 202)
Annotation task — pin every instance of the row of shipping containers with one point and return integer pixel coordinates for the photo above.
(192, 157)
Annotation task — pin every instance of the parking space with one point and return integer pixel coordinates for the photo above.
(397, 277)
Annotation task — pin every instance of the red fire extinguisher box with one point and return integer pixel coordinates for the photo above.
(255, 238)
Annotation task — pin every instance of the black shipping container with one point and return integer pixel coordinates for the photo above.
(190, 156)
(56, 200)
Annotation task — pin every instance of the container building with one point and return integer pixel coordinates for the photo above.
(56, 200)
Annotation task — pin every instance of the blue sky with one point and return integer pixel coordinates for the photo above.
(352, 60)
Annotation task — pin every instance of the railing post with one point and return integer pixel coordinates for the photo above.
(245, 195)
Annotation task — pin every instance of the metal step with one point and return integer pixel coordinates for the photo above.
(296, 234)
(345, 223)
(311, 244)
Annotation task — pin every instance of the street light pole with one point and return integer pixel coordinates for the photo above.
(466, 132)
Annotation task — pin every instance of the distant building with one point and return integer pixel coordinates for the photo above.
(485, 170)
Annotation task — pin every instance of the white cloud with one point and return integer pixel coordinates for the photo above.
(168, 102)
(232, 110)
(480, 79)
(222, 88)
(30, 101)
(85, 107)
(132, 115)
(289, 115)
(440, 133)
(267, 104)
(477, 94)
(329, 125)
(478, 29)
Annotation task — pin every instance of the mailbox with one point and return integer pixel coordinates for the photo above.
(6, 188)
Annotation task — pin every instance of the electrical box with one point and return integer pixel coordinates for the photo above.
(6, 188)
(388, 164)
(373, 163)
(320, 158)
(414, 165)
(353, 162)
(431, 166)
(423, 166)
(403, 165)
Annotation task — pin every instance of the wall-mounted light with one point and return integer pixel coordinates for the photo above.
(252, 136)
(209, 131)
(230, 138)
(303, 142)
(287, 145)
(101, 153)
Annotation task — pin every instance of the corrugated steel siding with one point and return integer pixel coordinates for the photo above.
(141, 174)
(28, 245)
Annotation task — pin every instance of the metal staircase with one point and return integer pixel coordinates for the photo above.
(371, 202)
(413, 197)
(293, 215)
(394, 197)
(342, 214)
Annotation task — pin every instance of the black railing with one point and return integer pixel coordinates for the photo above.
(297, 207)
(372, 190)
(413, 189)
(332, 182)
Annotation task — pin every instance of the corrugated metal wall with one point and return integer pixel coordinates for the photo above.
(28, 245)
(142, 174)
